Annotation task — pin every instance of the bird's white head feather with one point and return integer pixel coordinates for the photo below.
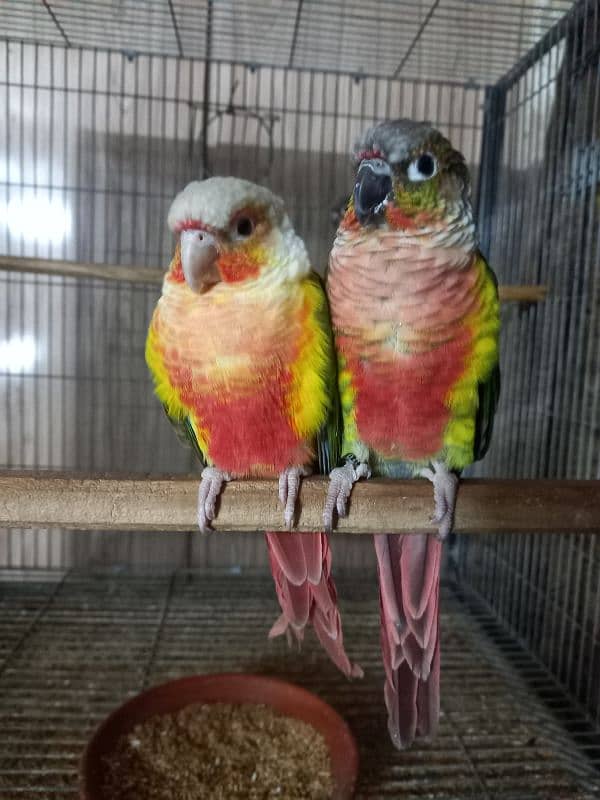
(214, 201)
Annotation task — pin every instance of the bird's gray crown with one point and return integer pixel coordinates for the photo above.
(395, 140)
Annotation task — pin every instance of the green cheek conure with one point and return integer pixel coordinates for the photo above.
(415, 315)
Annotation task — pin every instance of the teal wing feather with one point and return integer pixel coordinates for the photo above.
(489, 393)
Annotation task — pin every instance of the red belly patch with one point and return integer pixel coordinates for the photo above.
(250, 434)
(400, 401)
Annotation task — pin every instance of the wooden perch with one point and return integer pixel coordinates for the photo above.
(522, 294)
(45, 500)
(73, 269)
(152, 275)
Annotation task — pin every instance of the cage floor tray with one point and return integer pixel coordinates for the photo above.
(73, 646)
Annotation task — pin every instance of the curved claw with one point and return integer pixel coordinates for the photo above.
(445, 488)
(289, 487)
(341, 481)
(208, 492)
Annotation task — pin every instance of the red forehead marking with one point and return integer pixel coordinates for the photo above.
(375, 153)
(190, 225)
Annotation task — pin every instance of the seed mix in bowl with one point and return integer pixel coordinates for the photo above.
(220, 751)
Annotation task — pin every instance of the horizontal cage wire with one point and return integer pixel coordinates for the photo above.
(109, 109)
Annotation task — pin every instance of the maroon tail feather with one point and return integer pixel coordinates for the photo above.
(301, 567)
(409, 583)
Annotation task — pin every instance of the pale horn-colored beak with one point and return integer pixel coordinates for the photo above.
(199, 260)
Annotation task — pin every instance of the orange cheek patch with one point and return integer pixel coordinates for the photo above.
(398, 220)
(349, 220)
(176, 271)
(237, 266)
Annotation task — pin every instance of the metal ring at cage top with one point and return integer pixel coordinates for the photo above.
(266, 122)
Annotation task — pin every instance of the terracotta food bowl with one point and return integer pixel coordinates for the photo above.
(236, 688)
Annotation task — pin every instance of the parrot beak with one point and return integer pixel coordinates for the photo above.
(373, 185)
(199, 255)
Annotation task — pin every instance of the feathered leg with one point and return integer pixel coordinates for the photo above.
(301, 567)
(409, 579)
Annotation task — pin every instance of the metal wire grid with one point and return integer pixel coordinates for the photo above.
(103, 143)
(538, 174)
(546, 593)
(74, 646)
(112, 138)
(466, 40)
(541, 221)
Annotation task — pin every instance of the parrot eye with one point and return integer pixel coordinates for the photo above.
(243, 227)
(422, 168)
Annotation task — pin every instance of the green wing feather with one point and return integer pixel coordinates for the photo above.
(176, 412)
(329, 439)
(489, 392)
(185, 433)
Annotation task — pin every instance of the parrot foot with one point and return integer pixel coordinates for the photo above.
(445, 488)
(289, 486)
(210, 488)
(341, 481)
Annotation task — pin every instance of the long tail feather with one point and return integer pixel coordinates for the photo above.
(301, 567)
(409, 582)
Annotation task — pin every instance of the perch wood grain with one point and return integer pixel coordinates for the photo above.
(153, 275)
(44, 500)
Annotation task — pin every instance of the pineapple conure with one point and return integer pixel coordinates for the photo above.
(242, 357)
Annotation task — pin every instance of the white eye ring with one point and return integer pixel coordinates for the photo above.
(422, 168)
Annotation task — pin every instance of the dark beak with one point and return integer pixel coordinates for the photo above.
(373, 185)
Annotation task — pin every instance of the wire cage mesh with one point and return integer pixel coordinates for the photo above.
(101, 143)
(109, 109)
(541, 220)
